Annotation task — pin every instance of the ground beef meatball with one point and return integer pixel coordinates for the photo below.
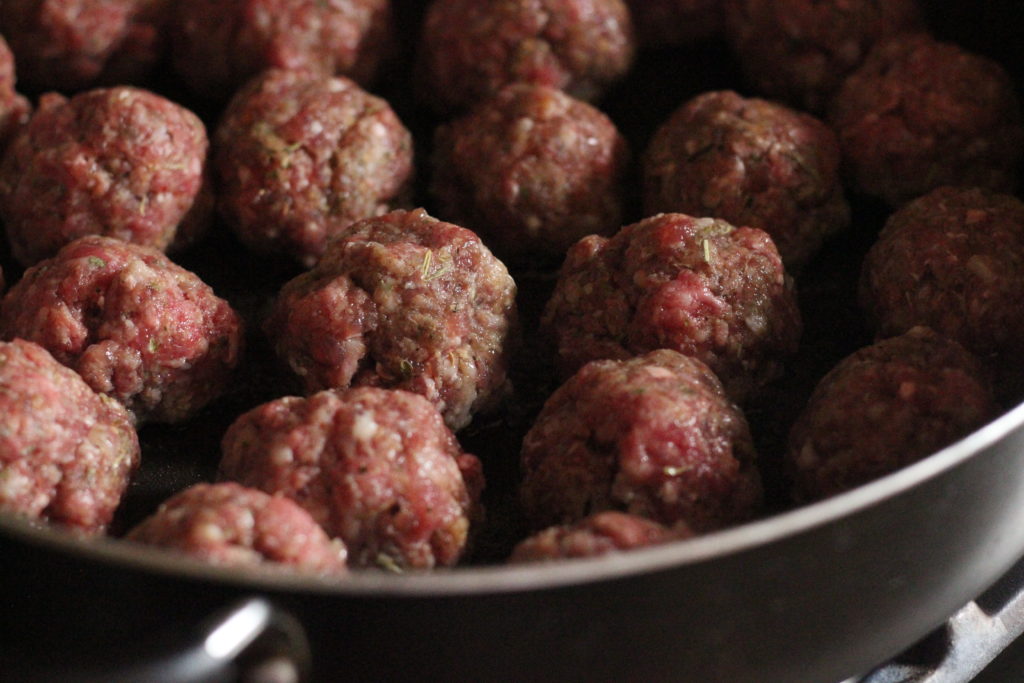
(953, 260)
(661, 23)
(121, 162)
(531, 170)
(696, 285)
(750, 162)
(470, 49)
(228, 524)
(217, 45)
(920, 114)
(66, 452)
(600, 534)
(885, 407)
(133, 324)
(301, 155)
(14, 108)
(375, 467)
(801, 50)
(402, 301)
(653, 436)
(69, 45)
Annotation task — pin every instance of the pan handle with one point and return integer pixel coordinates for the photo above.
(252, 641)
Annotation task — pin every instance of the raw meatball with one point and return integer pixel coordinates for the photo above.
(66, 453)
(675, 22)
(885, 407)
(750, 162)
(300, 156)
(531, 171)
(68, 45)
(217, 45)
(402, 301)
(121, 162)
(600, 534)
(920, 114)
(133, 324)
(374, 467)
(696, 285)
(653, 436)
(14, 109)
(953, 260)
(470, 49)
(228, 524)
(801, 50)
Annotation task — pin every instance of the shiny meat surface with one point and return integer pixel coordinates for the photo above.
(374, 467)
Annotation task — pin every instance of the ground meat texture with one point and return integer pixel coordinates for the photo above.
(696, 285)
(920, 114)
(653, 436)
(133, 324)
(121, 162)
(14, 108)
(218, 45)
(661, 23)
(300, 156)
(600, 534)
(231, 525)
(801, 50)
(750, 162)
(470, 49)
(69, 45)
(953, 260)
(375, 467)
(66, 452)
(402, 301)
(531, 171)
(885, 407)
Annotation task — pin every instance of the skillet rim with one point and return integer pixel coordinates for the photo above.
(505, 579)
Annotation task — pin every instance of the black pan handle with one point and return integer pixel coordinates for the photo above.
(252, 641)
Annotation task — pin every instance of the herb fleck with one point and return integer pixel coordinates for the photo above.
(97, 262)
(387, 563)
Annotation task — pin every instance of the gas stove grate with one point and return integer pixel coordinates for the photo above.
(962, 647)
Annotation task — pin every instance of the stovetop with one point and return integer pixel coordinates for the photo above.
(980, 643)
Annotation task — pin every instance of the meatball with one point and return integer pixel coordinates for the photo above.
(953, 260)
(374, 467)
(801, 50)
(66, 452)
(653, 436)
(469, 49)
(600, 534)
(228, 524)
(402, 301)
(885, 407)
(920, 114)
(133, 324)
(696, 285)
(217, 45)
(121, 162)
(300, 156)
(531, 170)
(675, 22)
(69, 45)
(14, 108)
(750, 162)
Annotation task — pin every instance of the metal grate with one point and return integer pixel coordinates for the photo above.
(967, 643)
